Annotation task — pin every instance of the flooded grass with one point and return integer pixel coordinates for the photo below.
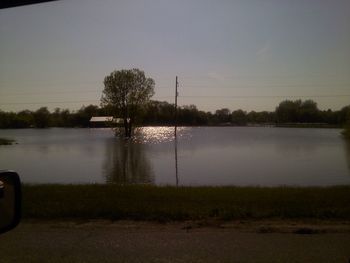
(4, 141)
(184, 203)
(346, 133)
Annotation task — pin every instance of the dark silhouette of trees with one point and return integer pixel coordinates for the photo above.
(345, 117)
(223, 115)
(84, 115)
(261, 117)
(24, 119)
(309, 112)
(41, 118)
(239, 117)
(157, 112)
(287, 111)
(13, 120)
(189, 115)
(298, 112)
(162, 113)
(127, 92)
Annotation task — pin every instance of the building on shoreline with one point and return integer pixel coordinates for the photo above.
(105, 121)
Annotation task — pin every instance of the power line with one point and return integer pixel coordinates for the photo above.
(266, 96)
(271, 77)
(58, 92)
(46, 93)
(191, 96)
(266, 86)
(46, 102)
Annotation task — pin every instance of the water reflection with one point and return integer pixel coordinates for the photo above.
(156, 135)
(127, 163)
(199, 156)
(176, 163)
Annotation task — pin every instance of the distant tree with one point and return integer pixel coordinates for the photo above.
(345, 113)
(158, 113)
(300, 111)
(202, 118)
(223, 115)
(84, 114)
(328, 116)
(56, 120)
(309, 112)
(261, 117)
(24, 119)
(288, 111)
(42, 118)
(126, 92)
(239, 117)
(188, 115)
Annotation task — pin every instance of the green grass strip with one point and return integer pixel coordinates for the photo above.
(184, 203)
(4, 141)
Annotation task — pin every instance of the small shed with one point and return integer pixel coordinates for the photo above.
(104, 121)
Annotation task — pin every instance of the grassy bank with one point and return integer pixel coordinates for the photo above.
(4, 141)
(346, 133)
(184, 203)
(307, 125)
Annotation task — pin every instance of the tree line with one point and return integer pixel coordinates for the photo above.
(162, 113)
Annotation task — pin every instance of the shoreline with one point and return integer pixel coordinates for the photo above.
(267, 125)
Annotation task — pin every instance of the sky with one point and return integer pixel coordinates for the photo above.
(236, 54)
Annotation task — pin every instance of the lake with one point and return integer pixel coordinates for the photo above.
(214, 156)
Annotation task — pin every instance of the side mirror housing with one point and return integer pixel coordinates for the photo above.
(10, 200)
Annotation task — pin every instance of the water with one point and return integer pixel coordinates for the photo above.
(205, 156)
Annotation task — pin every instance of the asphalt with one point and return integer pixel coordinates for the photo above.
(104, 241)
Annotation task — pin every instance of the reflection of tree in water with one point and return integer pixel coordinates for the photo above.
(126, 163)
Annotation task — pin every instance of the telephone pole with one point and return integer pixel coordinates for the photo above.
(175, 141)
(176, 94)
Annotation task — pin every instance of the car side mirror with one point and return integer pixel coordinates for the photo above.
(10, 200)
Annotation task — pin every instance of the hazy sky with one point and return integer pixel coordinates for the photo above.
(248, 54)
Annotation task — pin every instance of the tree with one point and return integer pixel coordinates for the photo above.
(309, 111)
(24, 119)
(82, 117)
(239, 117)
(345, 114)
(298, 111)
(288, 111)
(127, 92)
(188, 115)
(223, 115)
(42, 118)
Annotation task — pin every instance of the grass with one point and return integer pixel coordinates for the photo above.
(307, 125)
(4, 141)
(346, 132)
(184, 203)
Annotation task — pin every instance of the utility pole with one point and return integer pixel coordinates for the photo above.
(176, 94)
(175, 141)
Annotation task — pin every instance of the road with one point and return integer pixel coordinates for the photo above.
(124, 241)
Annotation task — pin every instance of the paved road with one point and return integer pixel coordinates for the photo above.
(179, 242)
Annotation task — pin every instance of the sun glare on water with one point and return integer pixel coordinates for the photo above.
(156, 135)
